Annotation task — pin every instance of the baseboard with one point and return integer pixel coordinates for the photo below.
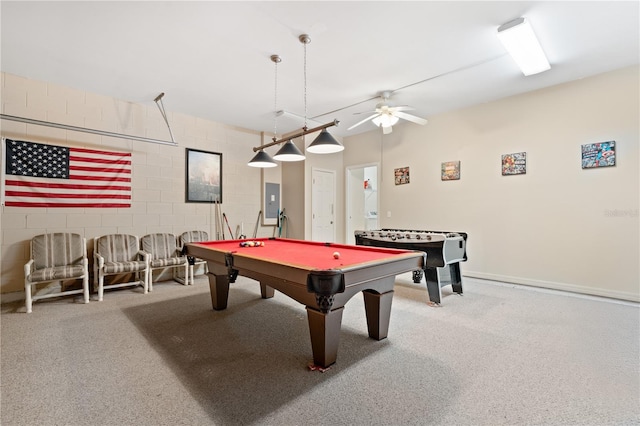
(573, 288)
(632, 297)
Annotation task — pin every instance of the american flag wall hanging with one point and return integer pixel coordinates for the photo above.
(40, 175)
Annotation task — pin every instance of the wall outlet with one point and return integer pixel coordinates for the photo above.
(388, 213)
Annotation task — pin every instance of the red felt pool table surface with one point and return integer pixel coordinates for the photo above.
(305, 254)
(307, 272)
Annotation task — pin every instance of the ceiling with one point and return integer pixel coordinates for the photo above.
(212, 59)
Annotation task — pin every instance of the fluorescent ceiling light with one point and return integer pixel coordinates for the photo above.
(518, 38)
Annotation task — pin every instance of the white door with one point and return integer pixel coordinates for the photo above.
(323, 202)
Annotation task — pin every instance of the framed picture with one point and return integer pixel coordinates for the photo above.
(601, 154)
(514, 164)
(401, 175)
(450, 170)
(203, 176)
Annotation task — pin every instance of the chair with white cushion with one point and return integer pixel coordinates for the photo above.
(116, 254)
(56, 257)
(194, 237)
(164, 253)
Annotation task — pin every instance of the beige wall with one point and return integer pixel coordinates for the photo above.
(158, 180)
(557, 226)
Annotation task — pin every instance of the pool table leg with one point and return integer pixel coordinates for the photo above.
(324, 329)
(266, 292)
(378, 309)
(219, 287)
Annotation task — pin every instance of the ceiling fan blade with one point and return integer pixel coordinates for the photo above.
(402, 108)
(411, 118)
(362, 121)
(363, 112)
(386, 130)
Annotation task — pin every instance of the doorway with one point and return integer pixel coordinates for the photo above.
(323, 201)
(362, 199)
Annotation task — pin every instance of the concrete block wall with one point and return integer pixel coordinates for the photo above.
(158, 177)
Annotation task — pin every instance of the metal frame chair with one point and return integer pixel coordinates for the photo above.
(119, 254)
(194, 237)
(56, 257)
(164, 253)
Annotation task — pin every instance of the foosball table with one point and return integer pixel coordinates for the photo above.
(443, 249)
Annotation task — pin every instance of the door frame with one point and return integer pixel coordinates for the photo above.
(348, 229)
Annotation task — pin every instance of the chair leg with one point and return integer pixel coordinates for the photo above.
(150, 279)
(100, 287)
(85, 286)
(27, 299)
(145, 282)
(191, 268)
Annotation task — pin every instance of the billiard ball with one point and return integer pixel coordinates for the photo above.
(336, 255)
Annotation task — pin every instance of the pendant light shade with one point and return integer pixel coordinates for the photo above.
(289, 152)
(263, 160)
(325, 144)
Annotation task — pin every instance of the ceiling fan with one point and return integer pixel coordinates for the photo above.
(386, 116)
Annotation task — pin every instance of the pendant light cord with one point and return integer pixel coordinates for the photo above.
(276, 60)
(305, 84)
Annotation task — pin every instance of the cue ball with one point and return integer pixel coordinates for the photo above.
(336, 255)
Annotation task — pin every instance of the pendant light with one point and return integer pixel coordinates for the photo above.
(288, 152)
(324, 143)
(262, 159)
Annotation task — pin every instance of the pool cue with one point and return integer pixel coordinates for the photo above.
(255, 230)
(237, 232)
(220, 224)
(228, 226)
(215, 213)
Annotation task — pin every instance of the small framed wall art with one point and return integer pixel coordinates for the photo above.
(204, 176)
(401, 175)
(514, 164)
(450, 170)
(601, 154)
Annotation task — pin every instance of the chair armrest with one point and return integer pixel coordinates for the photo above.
(99, 260)
(145, 256)
(27, 268)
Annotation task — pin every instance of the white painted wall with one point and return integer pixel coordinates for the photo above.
(557, 226)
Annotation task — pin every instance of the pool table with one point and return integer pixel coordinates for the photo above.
(309, 273)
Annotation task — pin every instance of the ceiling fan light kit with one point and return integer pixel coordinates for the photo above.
(385, 120)
(520, 41)
(385, 116)
(323, 144)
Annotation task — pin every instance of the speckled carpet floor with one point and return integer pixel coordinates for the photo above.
(500, 354)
